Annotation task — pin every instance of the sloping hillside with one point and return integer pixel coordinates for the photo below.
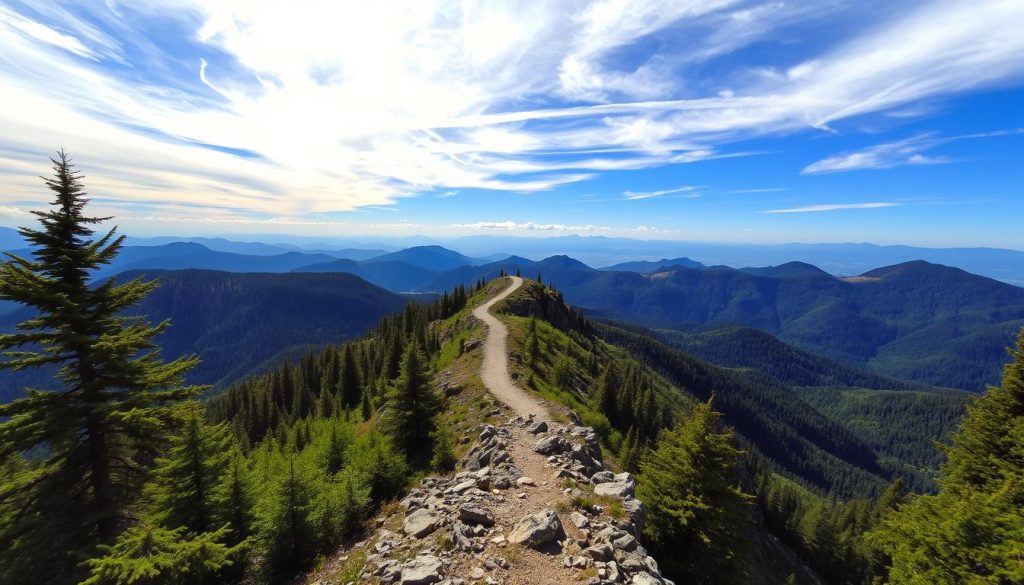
(237, 322)
(929, 323)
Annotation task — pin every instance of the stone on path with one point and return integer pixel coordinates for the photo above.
(536, 530)
(420, 523)
(421, 570)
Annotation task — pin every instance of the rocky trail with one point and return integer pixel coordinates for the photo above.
(531, 505)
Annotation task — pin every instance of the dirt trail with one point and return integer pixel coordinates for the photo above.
(494, 371)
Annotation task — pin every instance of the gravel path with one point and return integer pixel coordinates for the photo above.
(494, 371)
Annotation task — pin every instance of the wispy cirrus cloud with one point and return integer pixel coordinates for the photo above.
(311, 107)
(895, 154)
(833, 207)
(532, 226)
(635, 196)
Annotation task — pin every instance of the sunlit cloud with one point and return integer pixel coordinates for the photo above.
(313, 107)
(634, 196)
(895, 154)
(833, 207)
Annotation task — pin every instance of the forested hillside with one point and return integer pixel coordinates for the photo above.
(928, 323)
(242, 323)
(635, 388)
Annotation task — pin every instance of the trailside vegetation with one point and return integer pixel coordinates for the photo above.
(77, 452)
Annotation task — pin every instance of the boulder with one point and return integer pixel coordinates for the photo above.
(421, 570)
(645, 579)
(475, 515)
(551, 445)
(463, 486)
(626, 542)
(538, 529)
(600, 552)
(420, 523)
(579, 520)
(541, 427)
(621, 487)
(602, 477)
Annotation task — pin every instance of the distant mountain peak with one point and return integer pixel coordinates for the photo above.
(431, 257)
(794, 269)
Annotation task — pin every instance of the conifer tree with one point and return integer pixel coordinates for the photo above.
(287, 531)
(698, 513)
(350, 386)
(334, 456)
(412, 405)
(233, 499)
(94, 429)
(972, 530)
(181, 493)
(150, 555)
(607, 392)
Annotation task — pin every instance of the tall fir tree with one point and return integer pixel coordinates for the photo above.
(972, 530)
(697, 512)
(182, 492)
(92, 433)
(350, 386)
(412, 404)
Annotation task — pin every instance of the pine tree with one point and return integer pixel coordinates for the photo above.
(350, 386)
(698, 513)
(607, 392)
(287, 532)
(181, 493)
(150, 555)
(412, 404)
(365, 408)
(334, 456)
(233, 500)
(972, 530)
(96, 428)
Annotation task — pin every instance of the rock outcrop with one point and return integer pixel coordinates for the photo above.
(465, 528)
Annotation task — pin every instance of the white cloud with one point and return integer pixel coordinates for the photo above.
(360, 106)
(530, 226)
(634, 196)
(832, 207)
(895, 154)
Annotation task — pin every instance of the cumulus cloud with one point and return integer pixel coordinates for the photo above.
(311, 107)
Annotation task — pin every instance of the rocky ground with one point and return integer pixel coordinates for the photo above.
(532, 505)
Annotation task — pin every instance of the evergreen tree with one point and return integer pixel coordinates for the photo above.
(698, 513)
(233, 499)
(412, 405)
(287, 532)
(151, 555)
(607, 392)
(181, 493)
(350, 386)
(365, 408)
(93, 432)
(334, 456)
(443, 458)
(972, 530)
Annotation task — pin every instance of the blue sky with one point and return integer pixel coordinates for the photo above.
(715, 120)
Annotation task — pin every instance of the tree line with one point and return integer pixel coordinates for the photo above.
(118, 474)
